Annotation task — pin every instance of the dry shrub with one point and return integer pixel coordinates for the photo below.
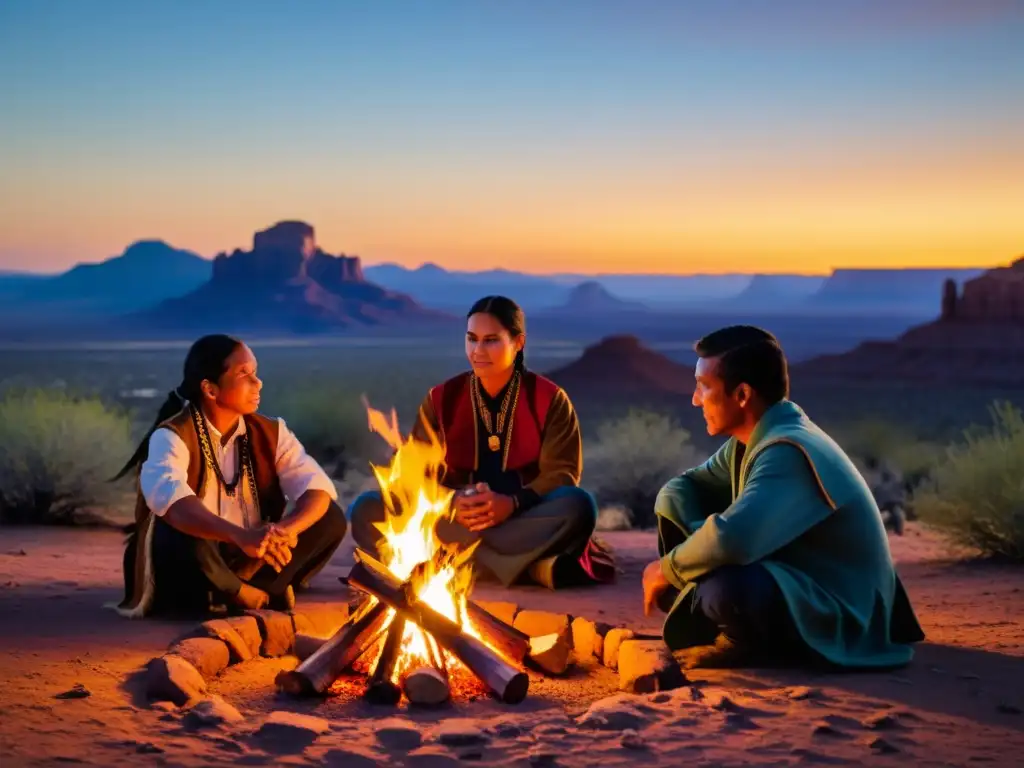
(56, 455)
(614, 517)
(892, 444)
(976, 493)
(633, 457)
(332, 426)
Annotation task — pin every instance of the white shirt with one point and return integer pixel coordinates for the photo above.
(163, 478)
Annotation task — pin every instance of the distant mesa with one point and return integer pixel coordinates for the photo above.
(902, 291)
(978, 338)
(286, 283)
(769, 289)
(147, 272)
(591, 297)
(623, 366)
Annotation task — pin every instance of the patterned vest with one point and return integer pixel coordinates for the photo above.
(453, 407)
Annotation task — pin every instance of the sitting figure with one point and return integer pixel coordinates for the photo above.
(773, 550)
(215, 477)
(514, 458)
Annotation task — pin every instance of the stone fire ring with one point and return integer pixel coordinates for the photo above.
(180, 676)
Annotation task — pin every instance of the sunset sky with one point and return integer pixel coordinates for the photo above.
(590, 136)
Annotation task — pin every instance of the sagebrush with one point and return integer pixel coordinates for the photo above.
(57, 452)
(632, 457)
(332, 425)
(976, 492)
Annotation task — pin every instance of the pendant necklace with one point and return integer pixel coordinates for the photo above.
(508, 404)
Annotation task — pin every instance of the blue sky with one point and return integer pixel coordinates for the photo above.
(557, 135)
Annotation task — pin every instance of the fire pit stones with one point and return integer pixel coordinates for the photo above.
(644, 665)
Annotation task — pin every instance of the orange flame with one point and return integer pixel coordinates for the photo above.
(415, 502)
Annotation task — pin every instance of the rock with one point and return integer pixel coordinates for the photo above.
(208, 655)
(630, 739)
(321, 619)
(538, 623)
(883, 747)
(302, 625)
(77, 691)
(172, 678)
(398, 734)
(163, 706)
(351, 759)
(247, 628)
(500, 610)
(612, 641)
(148, 748)
(220, 629)
(459, 733)
(276, 630)
(212, 711)
(646, 666)
(290, 731)
(550, 653)
(584, 638)
(614, 713)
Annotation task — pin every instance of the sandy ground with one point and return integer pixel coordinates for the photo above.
(959, 703)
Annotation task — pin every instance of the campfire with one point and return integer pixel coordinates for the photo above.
(417, 629)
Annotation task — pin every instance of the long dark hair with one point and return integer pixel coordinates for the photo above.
(206, 360)
(511, 317)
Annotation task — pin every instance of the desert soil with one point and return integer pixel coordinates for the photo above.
(959, 703)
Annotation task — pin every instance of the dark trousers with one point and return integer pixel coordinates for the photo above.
(742, 602)
(188, 569)
(747, 606)
(545, 540)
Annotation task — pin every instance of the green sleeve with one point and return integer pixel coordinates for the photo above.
(561, 452)
(780, 501)
(688, 499)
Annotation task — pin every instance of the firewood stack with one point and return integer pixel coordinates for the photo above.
(496, 662)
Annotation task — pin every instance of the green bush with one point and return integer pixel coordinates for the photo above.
(892, 444)
(56, 455)
(333, 427)
(633, 457)
(976, 493)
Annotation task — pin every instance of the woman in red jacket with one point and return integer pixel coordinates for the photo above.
(514, 456)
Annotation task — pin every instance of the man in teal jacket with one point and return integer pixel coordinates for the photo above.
(773, 549)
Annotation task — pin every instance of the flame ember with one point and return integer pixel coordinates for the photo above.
(438, 576)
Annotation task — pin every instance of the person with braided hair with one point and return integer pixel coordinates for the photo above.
(514, 456)
(214, 479)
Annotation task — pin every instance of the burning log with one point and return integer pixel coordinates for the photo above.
(317, 673)
(509, 641)
(426, 686)
(505, 681)
(380, 689)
